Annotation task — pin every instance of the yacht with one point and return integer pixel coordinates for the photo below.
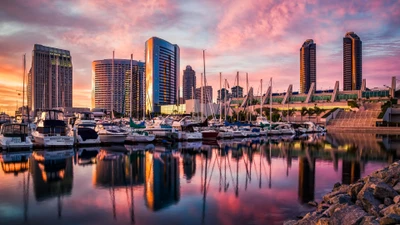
(137, 136)
(110, 133)
(84, 129)
(310, 127)
(261, 121)
(14, 135)
(51, 130)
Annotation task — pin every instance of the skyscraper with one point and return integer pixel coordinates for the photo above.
(162, 74)
(50, 78)
(237, 92)
(102, 85)
(207, 94)
(189, 83)
(223, 94)
(308, 65)
(352, 62)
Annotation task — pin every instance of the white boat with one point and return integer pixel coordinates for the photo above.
(261, 121)
(225, 133)
(140, 136)
(281, 128)
(84, 127)
(192, 136)
(51, 130)
(14, 135)
(110, 133)
(310, 127)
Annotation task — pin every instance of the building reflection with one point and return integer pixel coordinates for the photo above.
(189, 165)
(306, 179)
(351, 171)
(162, 187)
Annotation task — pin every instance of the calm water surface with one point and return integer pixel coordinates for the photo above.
(250, 181)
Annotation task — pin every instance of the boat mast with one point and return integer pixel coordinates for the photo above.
(201, 97)
(261, 104)
(247, 89)
(204, 72)
(270, 102)
(237, 92)
(130, 87)
(225, 108)
(23, 86)
(112, 87)
(220, 98)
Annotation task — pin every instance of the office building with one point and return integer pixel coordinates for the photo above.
(237, 92)
(105, 89)
(189, 83)
(207, 94)
(352, 62)
(308, 65)
(223, 94)
(50, 78)
(162, 74)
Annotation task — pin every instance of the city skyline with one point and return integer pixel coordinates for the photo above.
(256, 37)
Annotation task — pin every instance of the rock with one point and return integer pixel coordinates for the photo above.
(336, 186)
(313, 203)
(323, 221)
(348, 215)
(390, 219)
(308, 220)
(328, 212)
(290, 222)
(396, 199)
(355, 189)
(369, 220)
(343, 189)
(397, 187)
(382, 190)
(368, 201)
(393, 209)
(387, 201)
(341, 199)
(381, 206)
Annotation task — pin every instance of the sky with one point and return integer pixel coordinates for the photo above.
(259, 37)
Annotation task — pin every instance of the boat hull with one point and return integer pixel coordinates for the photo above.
(137, 138)
(115, 138)
(15, 143)
(54, 141)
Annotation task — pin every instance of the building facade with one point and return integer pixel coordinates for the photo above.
(237, 92)
(207, 94)
(50, 78)
(308, 65)
(162, 74)
(107, 92)
(352, 62)
(189, 83)
(223, 94)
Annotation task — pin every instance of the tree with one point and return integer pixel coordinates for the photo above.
(310, 112)
(318, 111)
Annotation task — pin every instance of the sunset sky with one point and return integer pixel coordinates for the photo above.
(258, 37)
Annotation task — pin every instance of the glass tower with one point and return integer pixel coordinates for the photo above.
(162, 74)
(189, 83)
(308, 65)
(352, 62)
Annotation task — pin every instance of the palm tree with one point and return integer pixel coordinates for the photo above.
(318, 111)
(303, 112)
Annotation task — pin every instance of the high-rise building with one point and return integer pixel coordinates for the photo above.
(189, 83)
(162, 74)
(207, 94)
(102, 85)
(50, 78)
(352, 62)
(237, 92)
(308, 65)
(223, 94)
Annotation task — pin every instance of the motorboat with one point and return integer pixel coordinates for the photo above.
(136, 136)
(281, 128)
(14, 135)
(51, 130)
(84, 129)
(310, 127)
(111, 133)
(225, 133)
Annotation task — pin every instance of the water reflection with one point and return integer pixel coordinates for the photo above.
(230, 182)
(52, 174)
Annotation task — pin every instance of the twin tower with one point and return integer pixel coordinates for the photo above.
(352, 63)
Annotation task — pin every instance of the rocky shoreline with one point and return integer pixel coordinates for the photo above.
(371, 200)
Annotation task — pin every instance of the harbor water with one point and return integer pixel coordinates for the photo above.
(240, 181)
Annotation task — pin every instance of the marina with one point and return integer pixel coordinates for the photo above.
(200, 182)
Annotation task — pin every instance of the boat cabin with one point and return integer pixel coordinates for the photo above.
(14, 130)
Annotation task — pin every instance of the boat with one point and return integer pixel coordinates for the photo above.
(15, 136)
(210, 134)
(310, 127)
(84, 127)
(111, 133)
(136, 136)
(4, 118)
(51, 130)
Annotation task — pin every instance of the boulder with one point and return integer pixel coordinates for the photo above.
(397, 187)
(369, 220)
(387, 201)
(396, 199)
(349, 215)
(393, 209)
(382, 190)
(343, 189)
(390, 219)
(341, 199)
(323, 221)
(355, 189)
(313, 203)
(368, 201)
